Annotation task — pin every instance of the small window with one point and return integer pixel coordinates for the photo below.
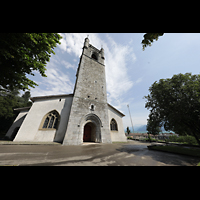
(92, 107)
(113, 125)
(94, 56)
(51, 120)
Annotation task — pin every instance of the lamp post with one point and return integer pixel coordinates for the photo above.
(130, 116)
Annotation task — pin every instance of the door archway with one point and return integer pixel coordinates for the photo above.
(91, 128)
(87, 133)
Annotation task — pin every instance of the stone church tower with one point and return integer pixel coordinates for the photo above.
(88, 119)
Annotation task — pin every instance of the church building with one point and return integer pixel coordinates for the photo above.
(72, 119)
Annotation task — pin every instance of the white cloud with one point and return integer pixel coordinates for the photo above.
(56, 81)
(116, 57)
(117, 78)
(72, 42)
(68, 65)
(138, 80)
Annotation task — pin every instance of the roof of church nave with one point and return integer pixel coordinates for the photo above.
(33, 99)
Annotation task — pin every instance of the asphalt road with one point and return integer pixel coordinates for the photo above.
(132, 153)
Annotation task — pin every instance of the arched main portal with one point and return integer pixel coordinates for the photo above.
(89, 132)
(91, 128)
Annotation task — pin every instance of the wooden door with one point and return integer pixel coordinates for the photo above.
(87, 133)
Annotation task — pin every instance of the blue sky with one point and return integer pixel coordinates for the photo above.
(129, 70)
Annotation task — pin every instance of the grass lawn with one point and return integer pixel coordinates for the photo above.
(179, 150)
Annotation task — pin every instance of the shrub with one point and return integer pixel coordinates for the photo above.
(183, 139)
(172, 138)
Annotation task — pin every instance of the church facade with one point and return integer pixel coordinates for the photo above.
(71, 119)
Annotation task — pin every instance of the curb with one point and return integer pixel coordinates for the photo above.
(28, 143)
(150, 148)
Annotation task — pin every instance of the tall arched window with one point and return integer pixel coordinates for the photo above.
(50, 121)
(113, 125)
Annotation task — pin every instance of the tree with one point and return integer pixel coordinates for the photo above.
(8, 101)
(25, 99)
(128, 130)
(175, 103)
(22, 54)
(152, 127)
(149, 38)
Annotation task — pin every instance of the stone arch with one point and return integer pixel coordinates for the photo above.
(94, 56)
(96, 125)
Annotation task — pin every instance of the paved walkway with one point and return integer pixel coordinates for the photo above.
(132, 153)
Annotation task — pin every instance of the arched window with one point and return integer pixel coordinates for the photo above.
(113, 125)
(94, 56)
(50, 121)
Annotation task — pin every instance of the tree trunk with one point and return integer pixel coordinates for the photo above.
(196, 137)
(149, 137)
(192, 130)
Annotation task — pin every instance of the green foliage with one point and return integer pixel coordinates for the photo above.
(128, 130)
(172, 138)
(153, 127)
(8, 101)
(183, 139)
(175, 103)
(22, 54)
(149, 38)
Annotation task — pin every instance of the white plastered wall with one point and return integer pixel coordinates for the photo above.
(29, 130)
(116, 135)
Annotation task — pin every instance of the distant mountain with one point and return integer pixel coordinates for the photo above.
(137, 128)
(141, 128)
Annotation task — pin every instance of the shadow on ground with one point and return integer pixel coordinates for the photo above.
(161, 157)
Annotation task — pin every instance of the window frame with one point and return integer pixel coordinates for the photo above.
(113, 125)
(55, 123)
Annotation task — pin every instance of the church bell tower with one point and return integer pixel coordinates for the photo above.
(88, 119)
